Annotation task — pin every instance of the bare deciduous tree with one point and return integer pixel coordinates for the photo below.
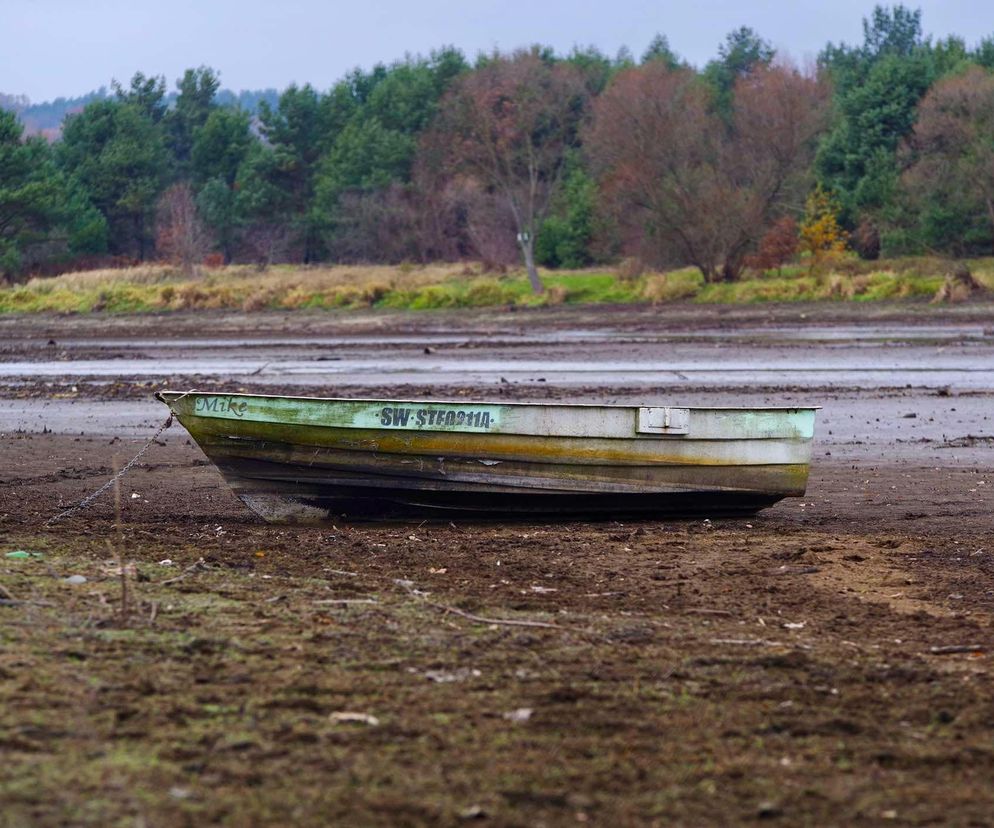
(507, 126)
(180, 234)
(268, 241)
(689, 186)
(950, 154)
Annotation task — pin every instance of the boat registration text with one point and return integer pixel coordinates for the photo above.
(459, 419)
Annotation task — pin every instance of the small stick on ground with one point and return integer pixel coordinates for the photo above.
(950, 649)
(200, 563)
(479, 619)
(508, 622)
(748, 642)
(120, 544)
(796, 570)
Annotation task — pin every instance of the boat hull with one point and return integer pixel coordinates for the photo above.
(305, 460)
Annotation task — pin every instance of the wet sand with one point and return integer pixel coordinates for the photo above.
(825, 662)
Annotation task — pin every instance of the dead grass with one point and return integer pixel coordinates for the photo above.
(156, 287)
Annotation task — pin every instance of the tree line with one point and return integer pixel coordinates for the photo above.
(533, 157)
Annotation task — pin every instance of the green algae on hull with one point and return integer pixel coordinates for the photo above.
(304, 459)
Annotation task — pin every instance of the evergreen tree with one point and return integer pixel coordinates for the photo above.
(742, 52)
(659, 49)
(39, 206)
(565, 237)
(118, 153)
(877, 88)
(147, 95)
(220, 148)
(296, 135)
(194, 104)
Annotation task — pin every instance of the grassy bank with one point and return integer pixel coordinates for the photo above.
(151, 288)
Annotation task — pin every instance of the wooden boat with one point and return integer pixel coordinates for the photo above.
(304, 459)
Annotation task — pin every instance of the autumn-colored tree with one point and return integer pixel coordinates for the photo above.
(180, 234)
(777, 247)
(950, 175)
(507, 126)
(685, 184)
(822, 238)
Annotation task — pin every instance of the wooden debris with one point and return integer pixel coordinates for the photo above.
(951, 649)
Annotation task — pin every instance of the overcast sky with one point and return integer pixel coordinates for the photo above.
(68, 47)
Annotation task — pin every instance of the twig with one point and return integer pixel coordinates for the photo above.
(797, 570)
(957, 648)
(508, 622)
(346, 601)
(6, 593)
(696, 611)
(748, 642)
(200, 563)
(120, 544)
(479, 619)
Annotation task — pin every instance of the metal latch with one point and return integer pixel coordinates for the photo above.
(663, 421)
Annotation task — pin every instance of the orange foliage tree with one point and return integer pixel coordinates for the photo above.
(822, 238)
(777, 247)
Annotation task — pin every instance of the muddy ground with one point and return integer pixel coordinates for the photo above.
(826, 662)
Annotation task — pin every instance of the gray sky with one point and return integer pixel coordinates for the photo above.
(68, 47)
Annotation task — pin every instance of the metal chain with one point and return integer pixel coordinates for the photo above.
(86, 501)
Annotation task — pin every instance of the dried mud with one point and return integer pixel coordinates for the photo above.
(826, 662)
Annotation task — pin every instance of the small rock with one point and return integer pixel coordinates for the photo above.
(768, 810)
(179, 793)
(522, 714)
(346, 717)
(75, 579)
(473, 812)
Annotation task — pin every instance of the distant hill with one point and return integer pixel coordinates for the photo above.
(46, 118)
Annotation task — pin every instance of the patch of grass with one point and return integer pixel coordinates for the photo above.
(152, 288)
(660, 288)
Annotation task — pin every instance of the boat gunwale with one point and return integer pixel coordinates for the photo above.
(176, 395)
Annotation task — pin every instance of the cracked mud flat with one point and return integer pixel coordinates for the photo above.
(826, 662)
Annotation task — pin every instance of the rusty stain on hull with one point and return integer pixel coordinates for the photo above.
(311, 459)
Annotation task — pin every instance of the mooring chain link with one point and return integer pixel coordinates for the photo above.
(86, 501)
